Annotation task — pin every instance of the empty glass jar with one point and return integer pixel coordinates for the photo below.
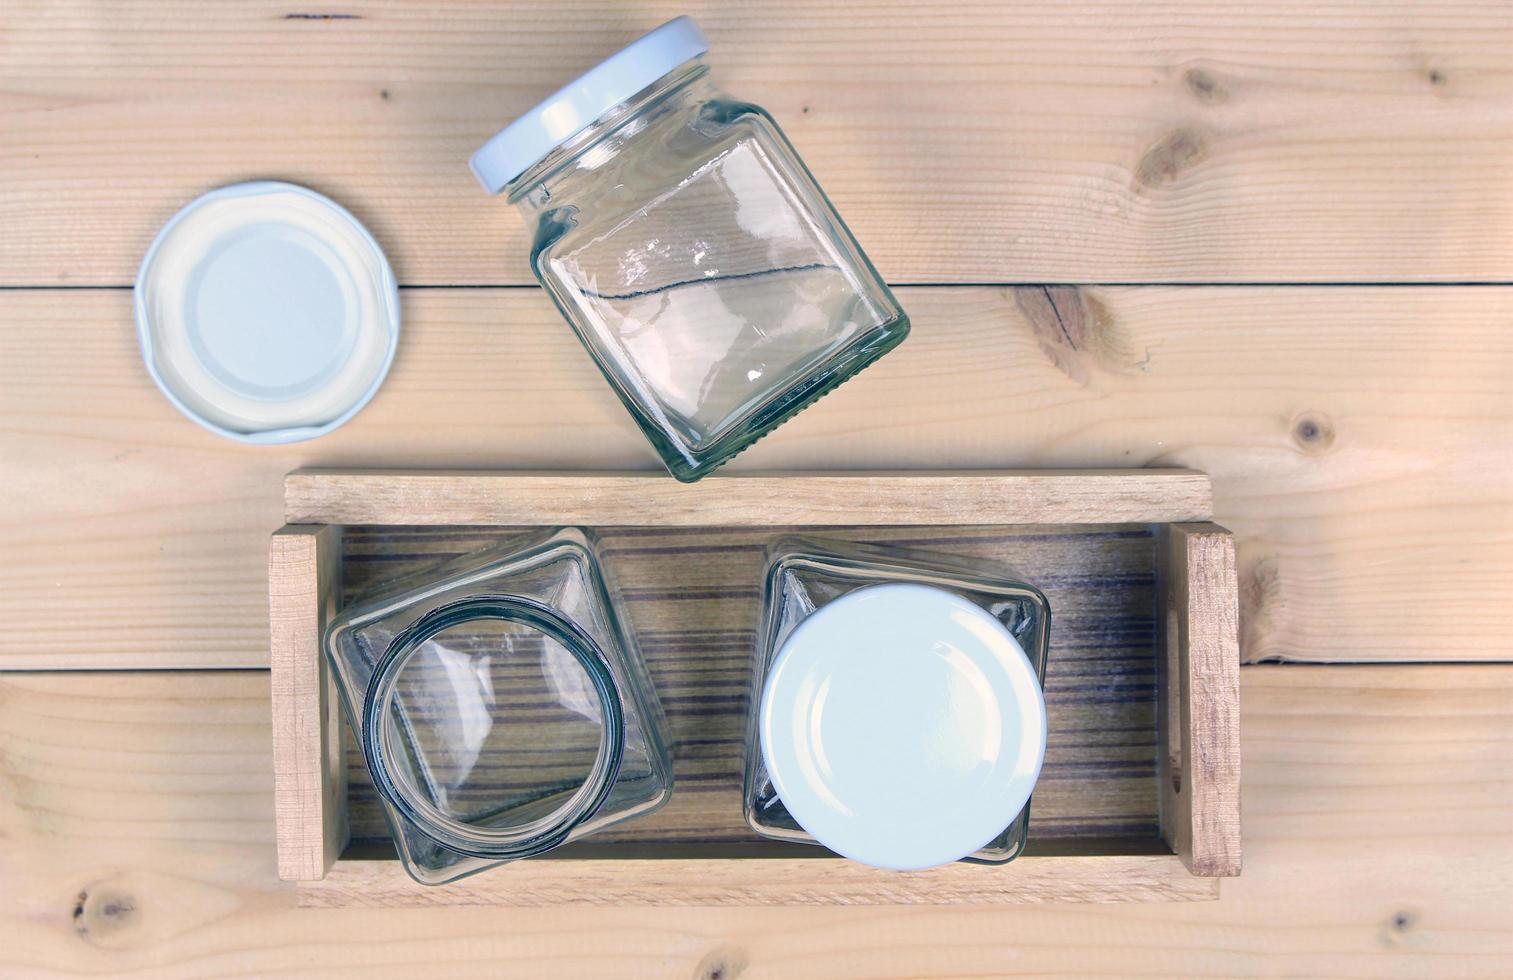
(690, 249)
(896, 706)
(501, 705)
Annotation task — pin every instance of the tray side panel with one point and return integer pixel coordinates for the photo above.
(776, 882)
(1200, 698)
(419, 497)
(309, 777)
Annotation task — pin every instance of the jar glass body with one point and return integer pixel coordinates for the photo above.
(805, 574)
(703, 268)
(502, 705)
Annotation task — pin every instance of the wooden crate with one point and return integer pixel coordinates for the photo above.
(1139, 800)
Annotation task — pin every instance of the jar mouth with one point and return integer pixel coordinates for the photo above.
(400, 790)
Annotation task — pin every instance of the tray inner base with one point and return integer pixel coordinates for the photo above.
(692, 595)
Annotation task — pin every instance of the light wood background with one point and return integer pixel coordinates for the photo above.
(1189, 166)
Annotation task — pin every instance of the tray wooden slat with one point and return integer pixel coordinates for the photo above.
(1200, 674)
(634, 499)
(1094, 878)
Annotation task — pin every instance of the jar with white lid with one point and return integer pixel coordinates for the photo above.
(896, 713)
(690, 249)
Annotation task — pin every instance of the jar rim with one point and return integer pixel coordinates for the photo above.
(545, 832)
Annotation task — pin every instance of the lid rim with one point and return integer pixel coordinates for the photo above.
(576, 106)
(388, 288)
(796, 666)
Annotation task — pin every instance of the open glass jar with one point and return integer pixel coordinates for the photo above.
(501, 706)
(896, 711)
(690, 250)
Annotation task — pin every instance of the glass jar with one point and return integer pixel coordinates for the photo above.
(501, 705)
(896, 710)
(690, 250)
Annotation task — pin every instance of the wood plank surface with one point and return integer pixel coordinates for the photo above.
(1199, 689)
(400, 497)
(678, 883)
(309, 779)
(136, 839)
(692, 597)
(1126, 141)
(1360, 438)
(1357, 439)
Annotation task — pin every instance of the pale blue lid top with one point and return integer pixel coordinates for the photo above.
(266, 312)
(903, 726)
(517, 147)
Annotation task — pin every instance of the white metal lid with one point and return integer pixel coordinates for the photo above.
(516, 148)
(267, 313)
(903, 726)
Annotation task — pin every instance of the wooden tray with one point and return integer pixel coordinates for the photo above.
(1139, 797)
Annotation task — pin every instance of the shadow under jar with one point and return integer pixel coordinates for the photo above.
(690, 249)
(501, 706)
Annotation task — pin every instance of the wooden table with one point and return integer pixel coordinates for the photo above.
(1281, 242)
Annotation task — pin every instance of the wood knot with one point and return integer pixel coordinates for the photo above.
(1313, 432)
(1205, 87)
(721, 964)
(1170, 156)
(1398, 926)
(1077, 332)
(101, 913)
(1260, 606)
(1059, 320)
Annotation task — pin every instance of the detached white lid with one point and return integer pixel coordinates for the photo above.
(903, 726)
(517, 147)
(267, 313)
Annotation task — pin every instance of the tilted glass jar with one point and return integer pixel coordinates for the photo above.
(501, 705)
(690, 249)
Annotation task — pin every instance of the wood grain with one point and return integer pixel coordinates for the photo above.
(1349, 141)
(136, 837)
(1199, 770)
(692, 595)
(771, 882)
(309, 778)
(1357, 439)
(816, 499)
